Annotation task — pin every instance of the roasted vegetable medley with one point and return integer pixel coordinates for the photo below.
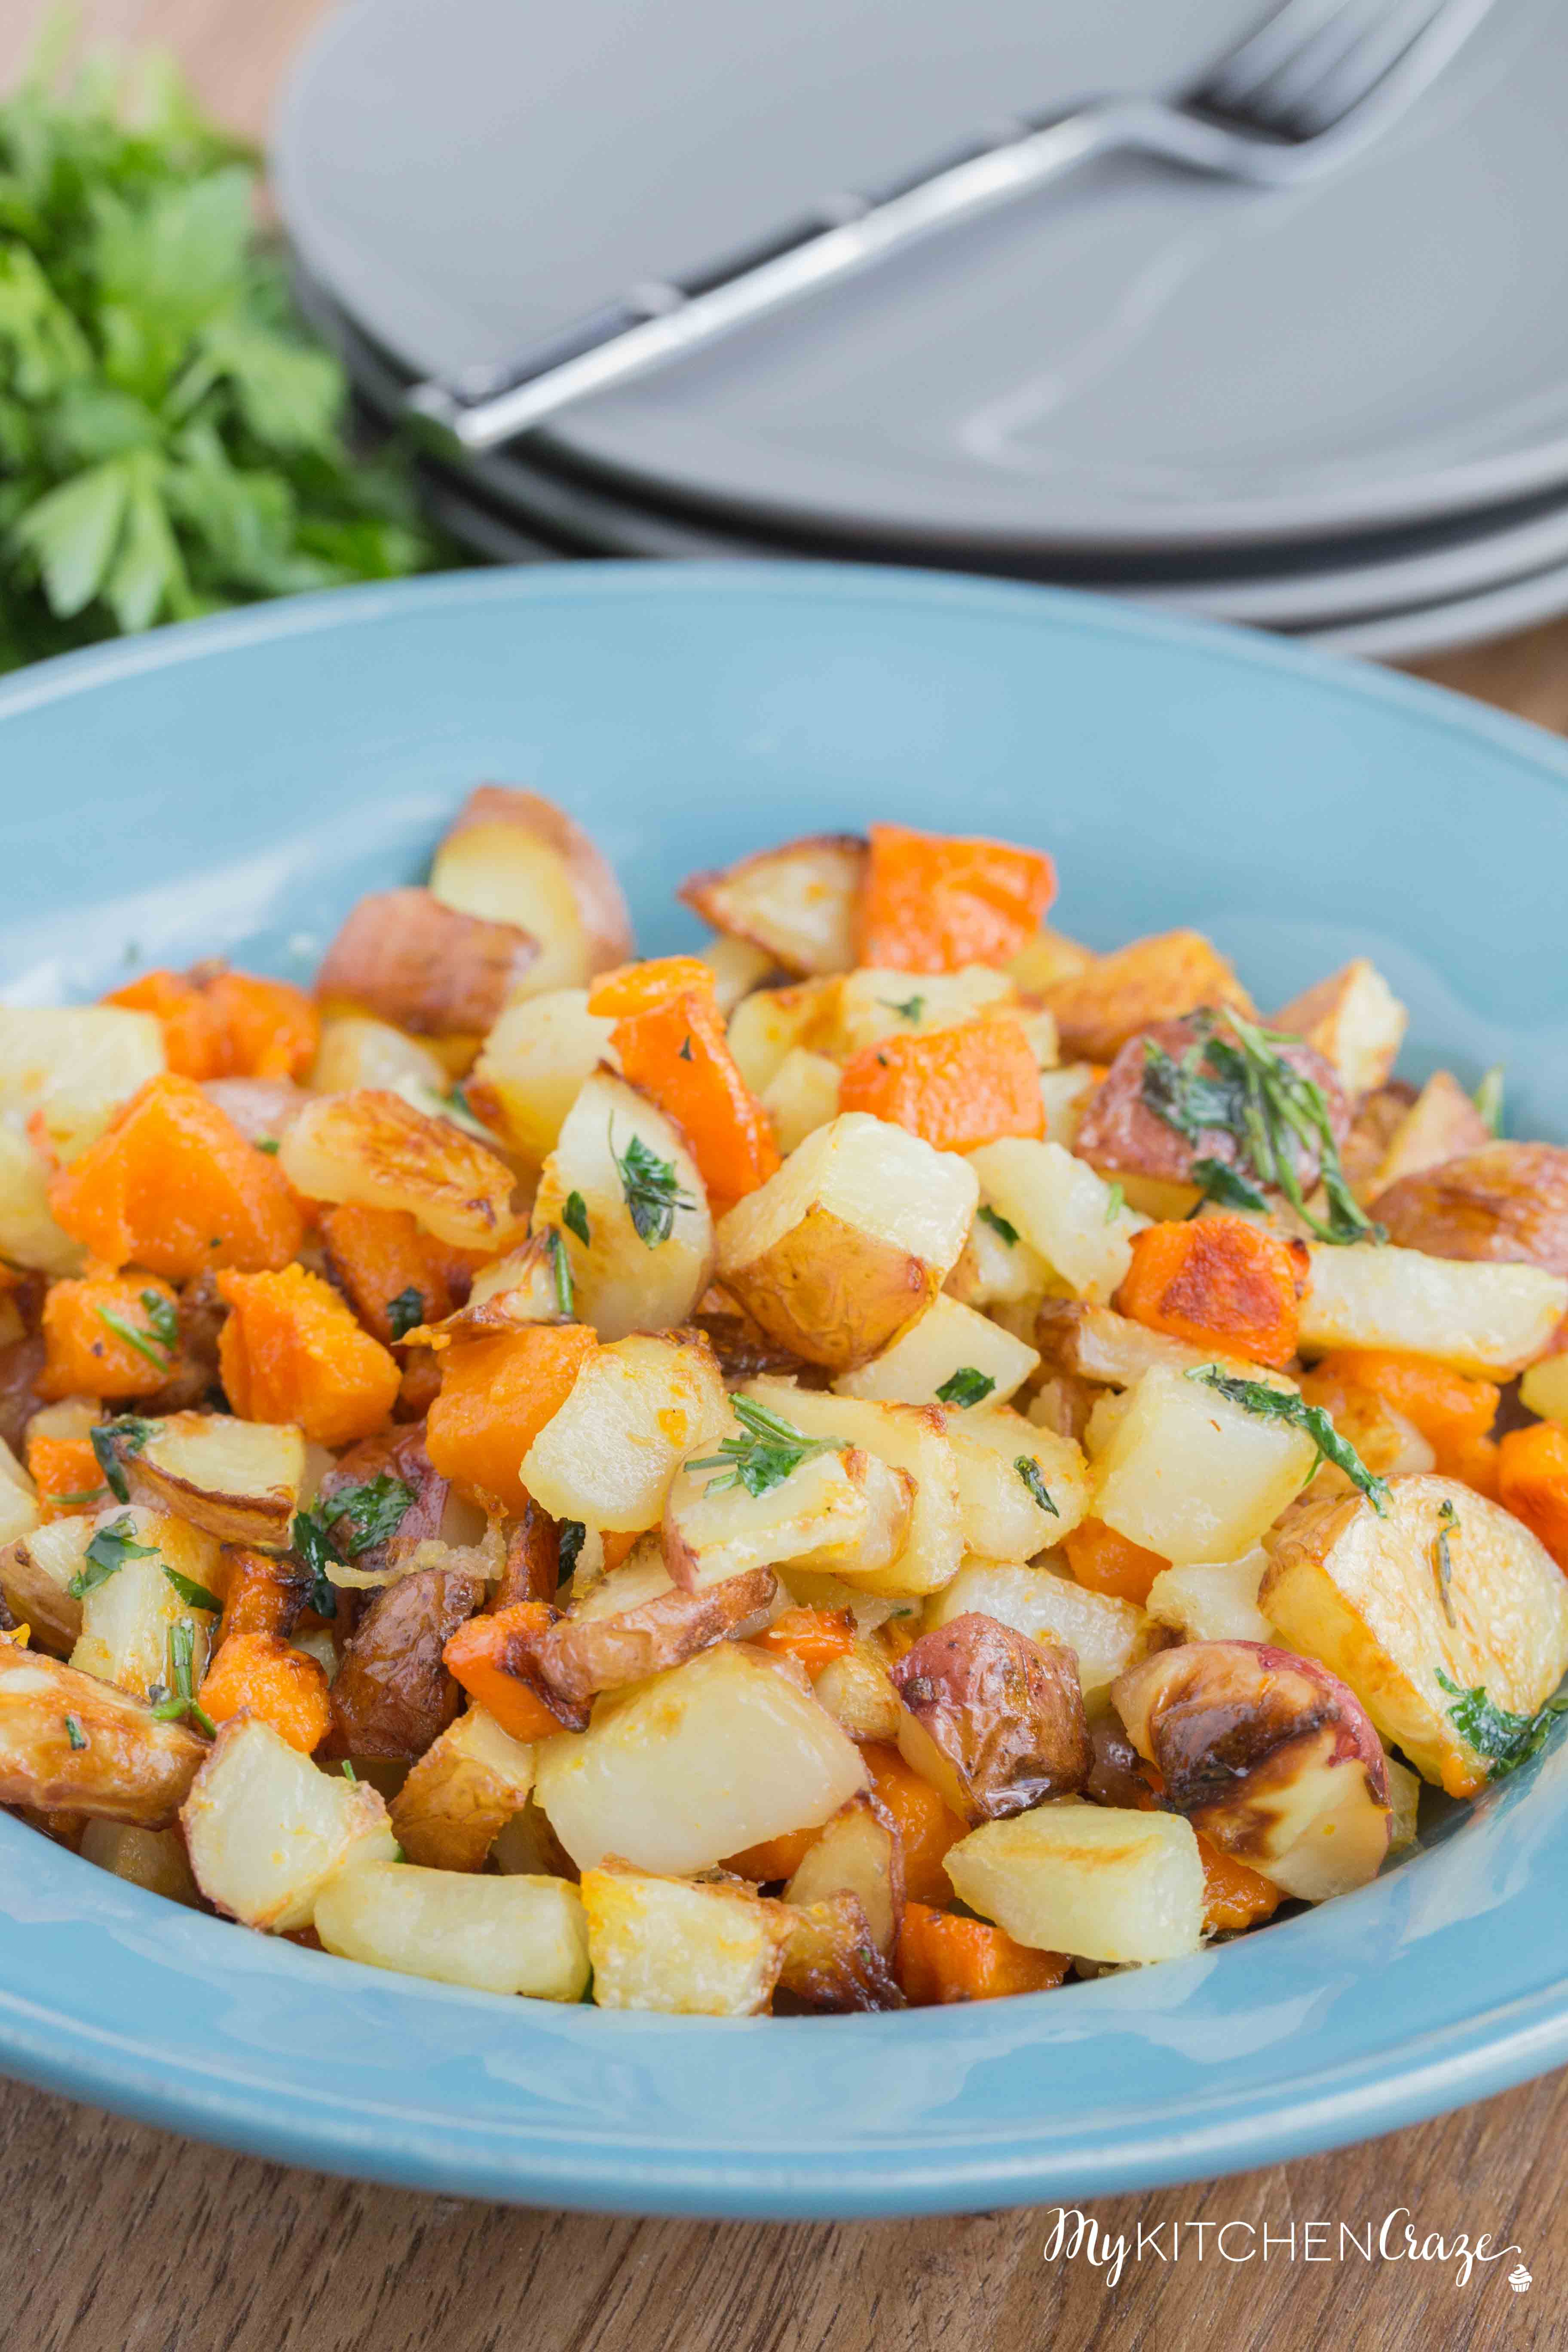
(889, 1461)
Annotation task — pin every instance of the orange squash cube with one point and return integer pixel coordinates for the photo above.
(291, 1351)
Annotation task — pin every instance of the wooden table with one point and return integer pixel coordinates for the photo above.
(119, 2238)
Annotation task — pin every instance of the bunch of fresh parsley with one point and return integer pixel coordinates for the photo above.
(170, 436)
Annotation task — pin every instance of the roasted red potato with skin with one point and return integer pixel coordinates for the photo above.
(797, 902)
(858, 1853)
(123, 1764)
(512, 856)
(21, 1368)
(393, 1694)
(580, 1656)
(405, 957)
(994, 1720)
(1267, 1754)
(532, 1571)
(436, 1513)
(1508, 1202)
(831, 1963)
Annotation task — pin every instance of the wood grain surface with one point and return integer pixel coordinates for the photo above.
(120, 2239)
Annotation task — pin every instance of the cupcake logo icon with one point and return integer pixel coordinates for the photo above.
(1518, 2278)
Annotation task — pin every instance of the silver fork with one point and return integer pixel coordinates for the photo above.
(1307, 88)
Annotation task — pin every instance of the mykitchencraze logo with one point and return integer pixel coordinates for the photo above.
(1073, 2236)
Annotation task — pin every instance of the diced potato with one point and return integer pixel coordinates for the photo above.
(842, 1509)
(35, 1574)
(771, 1021)
(699, 1763)
(512, 856)
(948, 1341)
(858, 1694)
(1440, 1124)
(239, 1480)
(1106, 1635)
(604, 1650)
(1047, 958)
(849, 1240)
(70, 1742)
(695, 1951)
(636, 1410)
(801, 1096)
(155, 1859)
(831, 1962)
(533, 1064)
(511, 1935)
(737, 968)
(1065, 1095)
(1404, 1803)
(1193, 1476)
(798, 903)
(1109, 1410)
(1002, 1462)
(1364, 1593)
(1158, 979)
(356, 1053)
(1355, 1020)
(462, 1793)
(871, 1005)
(1097, 1344)
(911, 1438)
(1487, 1319)
(127, 1619)
(994, 1272)
(29, 1234)
(1213, 1601)
(994, 1720)
(266, 1829)
(1063, 1210)
(623, 1282)
(529, 1848)
(1091, 1880)
(74, 1066)
(373, 1149)
(408, 959)
(857, 1853)
(1544, 1389)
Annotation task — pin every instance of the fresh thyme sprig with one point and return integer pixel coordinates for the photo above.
(1266, 1403)
(764, 1457)
(160, 1343)
(652, 1190)
(1447, 1525)
(182, 1698)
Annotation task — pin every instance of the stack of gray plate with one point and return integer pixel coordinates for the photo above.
(1340, 410)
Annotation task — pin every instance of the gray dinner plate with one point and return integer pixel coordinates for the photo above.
(1138, 361)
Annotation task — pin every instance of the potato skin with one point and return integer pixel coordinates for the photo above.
(600, 903)
(127, 1766)
(407, 959)
(398, 1454)
(1119, 1134)
(393, 1695)
(1005, 1713)
(1507, 1202)
(579, 1657)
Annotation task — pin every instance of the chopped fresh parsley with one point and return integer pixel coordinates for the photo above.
(374, 1511)
(269, 1144)
(1447, 1525)
(193, 1595)
(1504, 1739)
(1115, 1202)
(685, 1051)
(75, 1733)
(764, 1457)
(999, 1224)
(1266, 1403)
(109, 1439)
(406, 1312)
(315, 1554)
(160, 1343)
(1489, 1098)
(574, 1217)
(965, 1387)
(182, 1699)
(1220, 1182)
(1028, 1470)
(909, 1010)
(561, 1268)
(652, 1191)
(572, 1536)
(106, 1554)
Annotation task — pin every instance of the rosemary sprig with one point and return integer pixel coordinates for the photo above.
(1266, 1403)
(764, 1457)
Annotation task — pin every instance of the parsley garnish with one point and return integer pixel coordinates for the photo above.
(652, 1191)
(1447, 1525)
(374, 1510)
(160, 1343)
(763, 1459)
(183, 1697)
(999, 1224)
(349, 1772)
(909, 1010)
(1220, 1182)
(965, 1387)
(107, 1552)
(572, 1536)
(1115, 1202)
(193, 1595)
(314, 1552)
(269, 1144)
(1505, 1740)
(1489, 1098)
(561, 1268)
(1028, 1470)
(1242, 1085)
(685, 1053)
(406, 1312)
(110, 1438)
(574, 1217)
(75, 1733)
(1266, 1403)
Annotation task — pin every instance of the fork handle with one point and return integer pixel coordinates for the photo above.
(655, 324)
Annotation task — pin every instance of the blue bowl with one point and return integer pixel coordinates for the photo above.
(234, 785)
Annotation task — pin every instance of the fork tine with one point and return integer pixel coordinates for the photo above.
(1364, 66)
(1274, 97)
(1231, 78)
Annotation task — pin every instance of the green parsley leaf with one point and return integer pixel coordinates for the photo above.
(182, 1699)
(128, 1434)
(374, 1511)
(193, 1595)
(965, 1387)
(574, 1217)
(652, 1190)
(269, 1144)
(561, 1268)
(406, 1312)
(159, 1342)
(315, 1554)
(1504, 1739)
(1028, 1470)
(1447, 1525)
(163, 1318)
(573, 1534)
(1489, 1098)
(1266, 1403)
(764, 1457)
(1115, 1202)
(107, 1552)
(999, 1224)
(909, 1010)
(75, 1734)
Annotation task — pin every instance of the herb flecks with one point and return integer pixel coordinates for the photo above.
(1447, 1525)
(1490, 1098)
(372, 1511)
(406, 1312)
(573, 1534)
(1266, 1403)
(193, 1595)
(1115, 1202)
(574, 1217)
(1029, 1471)
(652, 1191)
(1505, 1740)
(160, 1343)
(766, 1455)
(106, 1554)
(909, 1010)
(75, 1734)
(316, 1555)
(965, 1387)
(109, 1439)
(182, 1698)
(999, 1225)
(561, 1271)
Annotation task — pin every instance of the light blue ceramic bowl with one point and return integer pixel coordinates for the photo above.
(235, 784)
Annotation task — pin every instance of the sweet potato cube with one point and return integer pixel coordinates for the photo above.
(395, 1274)
(943, 1958)
(195, 1040)
(260, 1675)
(676, 1052)
(957, 1088)
(1217, 1282)
(931, 901)
(497, 1394)
(114, 1336)
(291, 1351)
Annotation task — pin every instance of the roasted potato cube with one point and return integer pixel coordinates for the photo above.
(1105, 1635)
(529, 1848)
(1508, 1202)
(155, 1859)
(1100, 1007)
(849, 1240)
(1489, 1320)
(997, 1268)
(533, 1064)
(831, 1962)
(798, 903)
(374, 1148)
(1441, 1124)
(404, 957)
(846, 1506)
(511, 857)
(1065, 1094)
(737, 968)
(636, 1410)
(767, 1025)
(1543, 1390)
(1213, 1601)
(625, 1170)
(695, 1951)
(69, 1741)
(858, 1852)
(36, 1575)
(1047, 958)
(1355, 1020)
(1366, 1595)
(68, 1069)
(356, 1053)
(128, 1615)
(857, 1692)
(29, 1234)
(870, 1005)
(1020, 1487)
(1268, 1756)
(950, 1348)
(266, 1829)
(801, 1096)
(699, 1763)
(905, 1437)
(237, 1480)
(462, 1793)
(993, 1719)
(1095, 1343)
(393, 1695)
(497, 1935)
(582, 1656)
(1190, 1474)
(1062, 1209)
(1091, 1880)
